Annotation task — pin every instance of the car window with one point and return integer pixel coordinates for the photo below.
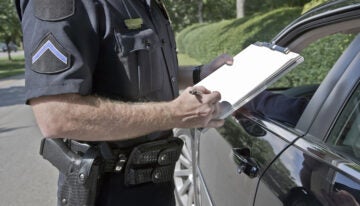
(345, 135)
(302, 81)
(319, 57)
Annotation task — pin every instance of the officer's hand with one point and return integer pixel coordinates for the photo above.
(197, 110)
(215, 64)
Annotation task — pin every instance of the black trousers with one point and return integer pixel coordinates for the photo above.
(113, 192)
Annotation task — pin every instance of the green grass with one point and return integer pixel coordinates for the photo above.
(11, 68)
(185, 60)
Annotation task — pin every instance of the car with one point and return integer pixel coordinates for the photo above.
(256, 160)
(12, 46)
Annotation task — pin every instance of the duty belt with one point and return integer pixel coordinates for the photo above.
(148, 162)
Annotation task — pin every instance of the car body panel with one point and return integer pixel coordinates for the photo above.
(218, 167)
(282, 152)
(314, 174)
(326, 14)
(295, 165)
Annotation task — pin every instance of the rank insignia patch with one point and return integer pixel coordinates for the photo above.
(50, 56)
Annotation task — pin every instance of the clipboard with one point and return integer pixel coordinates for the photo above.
(254, 69)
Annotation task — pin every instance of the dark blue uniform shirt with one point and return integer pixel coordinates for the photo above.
(119, 49)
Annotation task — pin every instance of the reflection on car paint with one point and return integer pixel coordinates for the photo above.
(313, 181)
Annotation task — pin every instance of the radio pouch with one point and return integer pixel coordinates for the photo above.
(153, 161)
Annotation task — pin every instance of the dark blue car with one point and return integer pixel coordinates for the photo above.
(257, 160)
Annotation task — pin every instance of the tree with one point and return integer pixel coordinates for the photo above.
(186, 12)
(10, 30)
(201, 10)
(240, 10)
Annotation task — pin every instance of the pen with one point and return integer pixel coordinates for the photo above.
(195, 92)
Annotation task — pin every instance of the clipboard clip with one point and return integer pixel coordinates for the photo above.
(273, 47)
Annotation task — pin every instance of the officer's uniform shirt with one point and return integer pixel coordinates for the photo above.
(119, 49)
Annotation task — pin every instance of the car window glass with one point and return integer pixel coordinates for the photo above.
(345, 135)
(319, 57)
(302, 81)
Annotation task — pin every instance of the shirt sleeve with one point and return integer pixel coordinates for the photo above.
(278, 107)
(61, 46)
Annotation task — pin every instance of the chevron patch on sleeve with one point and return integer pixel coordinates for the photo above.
(50, 57)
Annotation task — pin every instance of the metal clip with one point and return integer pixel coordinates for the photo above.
(120, 163)
(273, 47)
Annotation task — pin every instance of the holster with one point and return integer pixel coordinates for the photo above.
(79, 174)
(153, 161)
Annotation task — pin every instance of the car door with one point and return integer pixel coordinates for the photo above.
(323, 167)
(223, 177)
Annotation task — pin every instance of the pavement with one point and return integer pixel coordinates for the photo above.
(5, 54)
(26, 179)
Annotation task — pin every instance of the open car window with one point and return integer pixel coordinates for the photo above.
(302, 81)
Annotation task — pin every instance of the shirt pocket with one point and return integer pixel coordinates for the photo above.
(141, 54)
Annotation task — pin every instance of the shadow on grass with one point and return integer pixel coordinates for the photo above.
(9, 68)
(11, 65)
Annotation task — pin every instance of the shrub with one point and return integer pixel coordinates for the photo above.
(206, 41)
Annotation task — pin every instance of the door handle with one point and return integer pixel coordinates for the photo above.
(245, 163)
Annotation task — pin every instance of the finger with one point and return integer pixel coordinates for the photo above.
(202, 89)
(212, 98)
(229, 60)
(217, 110)
(214, 123)
(223, 59)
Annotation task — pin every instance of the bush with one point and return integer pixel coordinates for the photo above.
(313, 71)
(312, 4)
(255, 6)
(206, 41)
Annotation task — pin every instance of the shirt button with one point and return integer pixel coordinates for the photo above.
(173, 80)
(147, 44)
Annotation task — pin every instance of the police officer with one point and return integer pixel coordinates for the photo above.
(106, 71)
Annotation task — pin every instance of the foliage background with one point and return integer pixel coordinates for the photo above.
(185, 13)
(204, 42)
(10, 29)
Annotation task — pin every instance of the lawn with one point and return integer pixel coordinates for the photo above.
(10, 68)
(185, 60)
(16, 66)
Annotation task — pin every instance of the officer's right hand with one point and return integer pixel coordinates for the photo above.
(197, 110)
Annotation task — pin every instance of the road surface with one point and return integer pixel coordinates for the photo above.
(25, 178)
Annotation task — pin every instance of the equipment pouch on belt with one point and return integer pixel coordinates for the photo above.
(78, 174)
(153, 161)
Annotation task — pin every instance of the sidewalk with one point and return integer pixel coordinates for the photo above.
(26, 178)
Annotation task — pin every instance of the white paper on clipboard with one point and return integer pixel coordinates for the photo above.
(254, 69)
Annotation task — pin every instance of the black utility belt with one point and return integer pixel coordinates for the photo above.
(148, 162)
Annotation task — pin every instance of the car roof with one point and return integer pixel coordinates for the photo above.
(330, 13)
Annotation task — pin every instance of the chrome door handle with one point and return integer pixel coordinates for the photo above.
(245, 163)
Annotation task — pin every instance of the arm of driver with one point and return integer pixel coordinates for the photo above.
(92, 118)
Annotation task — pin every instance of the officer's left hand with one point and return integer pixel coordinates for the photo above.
(215, 64)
